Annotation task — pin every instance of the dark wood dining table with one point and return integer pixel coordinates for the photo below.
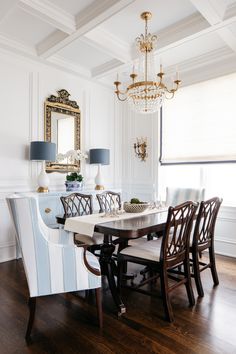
(125, 229)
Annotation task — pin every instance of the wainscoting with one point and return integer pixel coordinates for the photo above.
(225, 236)
(24, 87)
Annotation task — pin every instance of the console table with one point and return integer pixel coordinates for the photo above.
(50, 204)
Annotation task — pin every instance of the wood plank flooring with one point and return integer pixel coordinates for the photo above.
(68, 324)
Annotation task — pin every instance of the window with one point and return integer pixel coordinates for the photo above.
(198, 134)
(217, 179)
(199, 124)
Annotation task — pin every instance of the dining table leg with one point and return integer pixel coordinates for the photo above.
(109, 268)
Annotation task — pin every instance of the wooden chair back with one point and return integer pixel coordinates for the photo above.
(175, 243)
(77, 204)
(205, 224)
(108, 201)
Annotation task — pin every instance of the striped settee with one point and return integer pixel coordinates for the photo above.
(52, 263)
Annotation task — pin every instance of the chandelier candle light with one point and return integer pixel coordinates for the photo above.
(146, 93)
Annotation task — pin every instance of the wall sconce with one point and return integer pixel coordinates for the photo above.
(140, 148)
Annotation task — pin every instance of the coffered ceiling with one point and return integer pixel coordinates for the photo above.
(94, 38)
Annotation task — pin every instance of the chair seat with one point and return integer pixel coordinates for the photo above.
(92, 260)
(55, 226)
(144, 249)
(138, 241)
(97, 239)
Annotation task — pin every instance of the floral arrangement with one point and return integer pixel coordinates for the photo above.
(73, 180)
(71, 156)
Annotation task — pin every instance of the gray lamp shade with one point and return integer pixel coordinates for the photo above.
(42, 150)
(99, 156)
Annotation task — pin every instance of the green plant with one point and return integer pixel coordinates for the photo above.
(74, 176)
(135, 201)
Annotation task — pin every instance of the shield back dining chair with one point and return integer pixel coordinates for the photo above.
(164, 254)
(51, 266)
(175, 196)
(78, 204)
(108, 201)
(203, 239)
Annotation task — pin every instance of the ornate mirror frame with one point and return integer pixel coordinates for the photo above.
(62, 104)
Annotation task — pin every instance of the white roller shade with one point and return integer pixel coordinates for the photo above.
(199, 123)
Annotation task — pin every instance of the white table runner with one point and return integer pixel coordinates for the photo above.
(85, 224)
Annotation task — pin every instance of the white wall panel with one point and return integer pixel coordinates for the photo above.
(24, 86)
(102, 133)
(225, 234)
(7, 238)
(139, 177)
(15, 122)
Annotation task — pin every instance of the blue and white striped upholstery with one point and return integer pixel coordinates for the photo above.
(53, 264)
(175, 196)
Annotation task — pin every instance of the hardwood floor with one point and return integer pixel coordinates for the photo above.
(68, 324)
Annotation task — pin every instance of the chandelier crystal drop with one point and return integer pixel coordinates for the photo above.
(147, 90)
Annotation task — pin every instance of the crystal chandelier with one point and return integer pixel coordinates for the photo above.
(146, 93)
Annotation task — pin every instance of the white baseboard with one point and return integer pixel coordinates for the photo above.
(7, 252)
(225, 247)
(222, 247)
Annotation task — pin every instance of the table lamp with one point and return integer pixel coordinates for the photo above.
(42, 151)
(99, 157)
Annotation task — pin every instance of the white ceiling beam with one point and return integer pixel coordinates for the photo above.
(113, 46)
(16, 47)
(188, 38)
(228, 37)
(214, 11)
(190, 26)
(230, 11)
(6, 7)
(88, 19)
(109, 44)
(211, 29)
(43, 48)
(210, 69)
(49, 13)
(99, 12)
(214, 56)
(109, 67)
(70, 66)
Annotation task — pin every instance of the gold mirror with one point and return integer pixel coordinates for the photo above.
(62, 126)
